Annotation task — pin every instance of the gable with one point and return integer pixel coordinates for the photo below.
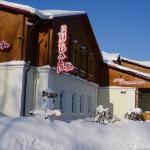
(83, 50)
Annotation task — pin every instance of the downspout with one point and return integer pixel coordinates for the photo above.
(136, 98)
(96, 95)
(26, 73)
(25, 90)
(36, 75)
(30, 31)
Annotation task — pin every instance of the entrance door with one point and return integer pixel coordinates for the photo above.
(144, 99)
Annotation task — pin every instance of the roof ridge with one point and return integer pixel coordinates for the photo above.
(111, 63)
(44, 14)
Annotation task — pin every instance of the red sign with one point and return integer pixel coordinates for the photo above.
(62, 64)
(4, 45)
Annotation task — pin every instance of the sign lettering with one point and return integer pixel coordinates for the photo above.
(62, 64)
(4, 45)
(124, 82)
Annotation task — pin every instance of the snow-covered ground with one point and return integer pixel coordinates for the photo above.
(35, 134)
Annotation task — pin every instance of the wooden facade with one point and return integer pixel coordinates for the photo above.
(134, 65)
(12, 30)
(110, 74)
(35, 40)
(83, 51)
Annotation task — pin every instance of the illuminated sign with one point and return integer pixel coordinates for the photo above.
(4, 46)
(62, 64)
(124, 82)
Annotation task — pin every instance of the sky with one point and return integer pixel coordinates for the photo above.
(120, 26)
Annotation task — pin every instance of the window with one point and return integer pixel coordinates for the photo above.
(91, 67)
(89, 104)
(74, 99)
(62, 100)
(76, 56)
(90, 63)
(81, 104)
(83, 58)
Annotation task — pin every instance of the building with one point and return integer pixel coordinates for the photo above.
(30, 44)
(57, 50)
(127, 84)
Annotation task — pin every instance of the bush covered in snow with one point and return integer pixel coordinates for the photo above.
(47, 110)
(103, 116)
(134, 114)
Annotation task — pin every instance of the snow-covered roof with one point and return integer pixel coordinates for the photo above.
(44, 14)
(110, 56)
(68, 75)
(111, 63)
(13, 63)
(143, 63)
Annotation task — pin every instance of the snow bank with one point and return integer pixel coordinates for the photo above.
(32, 134)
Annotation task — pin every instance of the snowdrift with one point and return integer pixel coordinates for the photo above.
(34, 134)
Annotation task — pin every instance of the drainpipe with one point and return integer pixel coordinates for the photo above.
(36, 76)
(31, 30)
(136, 98)
(29, 67)
(97, 88)
(25, 90)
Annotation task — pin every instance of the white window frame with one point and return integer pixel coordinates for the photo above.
(74, 102)
(62, 100)
(89, 104)
(82, 103)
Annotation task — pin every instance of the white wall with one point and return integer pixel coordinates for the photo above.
(47, 78)
(11, 87)
(32, 77)
(12, 78)
(117, 99)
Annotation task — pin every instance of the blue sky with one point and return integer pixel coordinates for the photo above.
(120, 26)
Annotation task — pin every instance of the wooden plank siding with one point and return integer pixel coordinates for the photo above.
(83, 51)
(109, 73)
(12, 30)
(135, 66)
(37, 43)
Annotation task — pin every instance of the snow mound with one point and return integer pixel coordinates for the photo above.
(33, 134)
(135, 110)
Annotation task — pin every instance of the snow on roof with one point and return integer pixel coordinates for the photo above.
(44, 14)
(111, 63)
(13, 63)
(110, 56)
(143, 63)
(68, 75)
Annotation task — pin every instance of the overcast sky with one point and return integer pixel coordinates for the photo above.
(120, 26)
